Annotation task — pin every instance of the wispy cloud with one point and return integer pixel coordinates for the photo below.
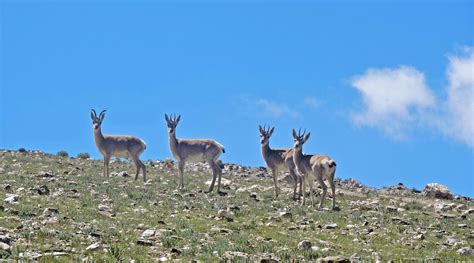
(311, 102)
(276, 109)
(393, 98)
(459, 105)
(396, 99)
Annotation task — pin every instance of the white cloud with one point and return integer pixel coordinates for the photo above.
(393, 98)
(275, 109)
(458, 120)
(311, 102)
(396, 99)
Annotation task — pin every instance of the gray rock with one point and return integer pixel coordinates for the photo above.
(230, 255)
(148, 233)
(50, 211)
(5, 239)
(285, 215)
(330, 226)
(333, 259)
(305, 244)
(44, 175)
(465, 251)
(95, 246)
(437, 191)
(42, 190)
(12, 199)
(123, 174)
(4, 246)
(225, 214)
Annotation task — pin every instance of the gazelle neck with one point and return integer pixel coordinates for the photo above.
(173, 142)
(266, 148)
(298, 154)
(98, 137)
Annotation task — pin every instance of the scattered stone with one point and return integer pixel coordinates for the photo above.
(437, 191)
(330, 226)
(176, 251)
(224, 183)
(5, 239)
(144, 242)
(123, 174)
(305, 244)
(30, 255)
(12, 199)
(234, 255)
(465, 251)
(254, 196)
(401, 221)
(42, 190)
(94, 246)
(7, 188)
(44, 175)
(285, 215)
(419, 237)
(4, 246)
(148, 233)
(50, 211)
(225, 214)
(333, 259)
(219, 230)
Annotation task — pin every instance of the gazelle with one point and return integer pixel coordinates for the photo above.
(117, 146)
(194, 150)
(278, 160)
(313, 167)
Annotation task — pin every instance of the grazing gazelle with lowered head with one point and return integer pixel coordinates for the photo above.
(194, 150)
(117, 146)
(278, 160)
(313, 167)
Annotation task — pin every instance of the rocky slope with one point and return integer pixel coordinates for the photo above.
(59, 208)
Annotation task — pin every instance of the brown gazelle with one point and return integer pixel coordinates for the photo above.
(278, 160)
(313, 167)
(117, 146)
(194, 150)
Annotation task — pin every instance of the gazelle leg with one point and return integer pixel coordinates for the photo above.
(106, 165)
(274, 174)
(333, 190)
(311, 194)
(219, 173)
(181, 173)
(138, 165)
(325, 188)
(144, 170)
(295, 179)
(214, 176)
(304, 190)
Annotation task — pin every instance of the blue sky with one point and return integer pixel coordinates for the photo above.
(385, 88)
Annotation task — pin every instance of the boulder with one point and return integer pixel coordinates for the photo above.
(437, 191)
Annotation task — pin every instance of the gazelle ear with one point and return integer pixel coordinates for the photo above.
(294, 133)
(92, 115)
(306, 137)
(167, 118)
(177, 119)
(260, 129)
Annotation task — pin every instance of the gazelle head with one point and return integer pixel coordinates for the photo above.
(265, 134)
(97, 121)
(299, 138)
(172, 122)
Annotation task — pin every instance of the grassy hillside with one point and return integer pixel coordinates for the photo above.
(128, 220)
